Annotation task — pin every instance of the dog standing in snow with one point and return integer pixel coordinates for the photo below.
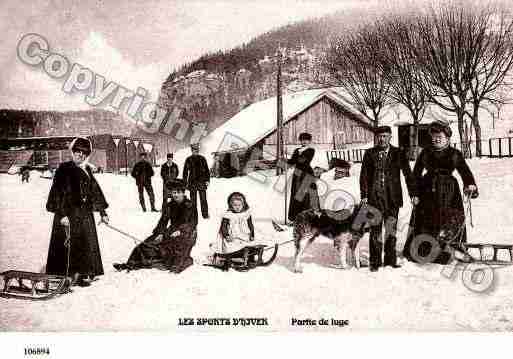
(338, 225)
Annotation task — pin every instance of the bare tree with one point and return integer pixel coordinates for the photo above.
(399, 63)
(493, 62)
(445, 53)
(351, 65)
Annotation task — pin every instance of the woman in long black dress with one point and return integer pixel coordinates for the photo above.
(303, 194)
(439, 206)
(73, 197)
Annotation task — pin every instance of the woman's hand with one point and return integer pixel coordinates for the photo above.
(105, 219)
(471, 191)
(65, 221)
(415, 200)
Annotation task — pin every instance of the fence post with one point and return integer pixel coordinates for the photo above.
(509, 145)
(490, 147)
(500, 147)
(328, 157)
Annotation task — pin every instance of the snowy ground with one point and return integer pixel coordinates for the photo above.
(410, 298)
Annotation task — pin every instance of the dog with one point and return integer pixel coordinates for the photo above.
(337, 225)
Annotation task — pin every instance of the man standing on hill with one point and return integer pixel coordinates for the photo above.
(168, 172)
(196, 175)
(142, 172)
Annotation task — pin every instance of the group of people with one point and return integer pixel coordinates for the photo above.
(75, 195)
(196, 176)
(434, 192)
(438, 208)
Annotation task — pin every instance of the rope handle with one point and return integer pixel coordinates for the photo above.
(67, 241)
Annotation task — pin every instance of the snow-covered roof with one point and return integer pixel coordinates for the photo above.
(197, 73)
(212, 77)
(258, 120)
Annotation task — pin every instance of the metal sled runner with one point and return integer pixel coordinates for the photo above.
(33, 286)
(244, 259)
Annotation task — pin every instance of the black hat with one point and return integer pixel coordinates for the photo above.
(440, 127)
(383, 129)
(169, 155)
(81, 144)
(143, 154)
(176, 184)
(195, 146)
(305, 136)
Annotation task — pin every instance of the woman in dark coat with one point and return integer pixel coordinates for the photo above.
(303, 193)
(439, 207)
(170, 246)
(73, 197)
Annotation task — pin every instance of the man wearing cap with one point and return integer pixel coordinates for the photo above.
(74, 196)
(142, 172)
(196, 176)
(380, 188)
(168, 172)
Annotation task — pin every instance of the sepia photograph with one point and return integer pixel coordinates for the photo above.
(255, 167)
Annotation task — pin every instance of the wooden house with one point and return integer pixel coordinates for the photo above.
(323, 113)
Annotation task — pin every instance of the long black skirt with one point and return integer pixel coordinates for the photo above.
(303, 193)
(84, 252)
(439, 218)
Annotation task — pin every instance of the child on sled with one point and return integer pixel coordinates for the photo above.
(236, 237)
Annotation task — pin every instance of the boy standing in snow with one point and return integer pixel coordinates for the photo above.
(196, 176)
(168, 172)
(142, 172)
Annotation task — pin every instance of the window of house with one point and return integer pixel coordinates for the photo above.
(40, 158)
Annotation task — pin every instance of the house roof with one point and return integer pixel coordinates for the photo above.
(258, 120)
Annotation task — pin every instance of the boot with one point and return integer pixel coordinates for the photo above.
(182, 266)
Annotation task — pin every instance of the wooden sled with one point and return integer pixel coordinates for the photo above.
(476, 253)
(243, 259)
(33, 286)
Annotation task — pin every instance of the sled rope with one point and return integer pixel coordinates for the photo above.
(279, 244)
(67, 244)
(136, 240)
(469, 208)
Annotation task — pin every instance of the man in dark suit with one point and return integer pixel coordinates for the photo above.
(380, 188)
(142, 172)
(196, 175)
(168, 172)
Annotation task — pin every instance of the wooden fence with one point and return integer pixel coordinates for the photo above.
(499, 147)
(351, 155)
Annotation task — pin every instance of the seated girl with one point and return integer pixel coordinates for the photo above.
(237, 230)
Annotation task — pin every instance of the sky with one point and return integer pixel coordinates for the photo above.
(135, 43)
